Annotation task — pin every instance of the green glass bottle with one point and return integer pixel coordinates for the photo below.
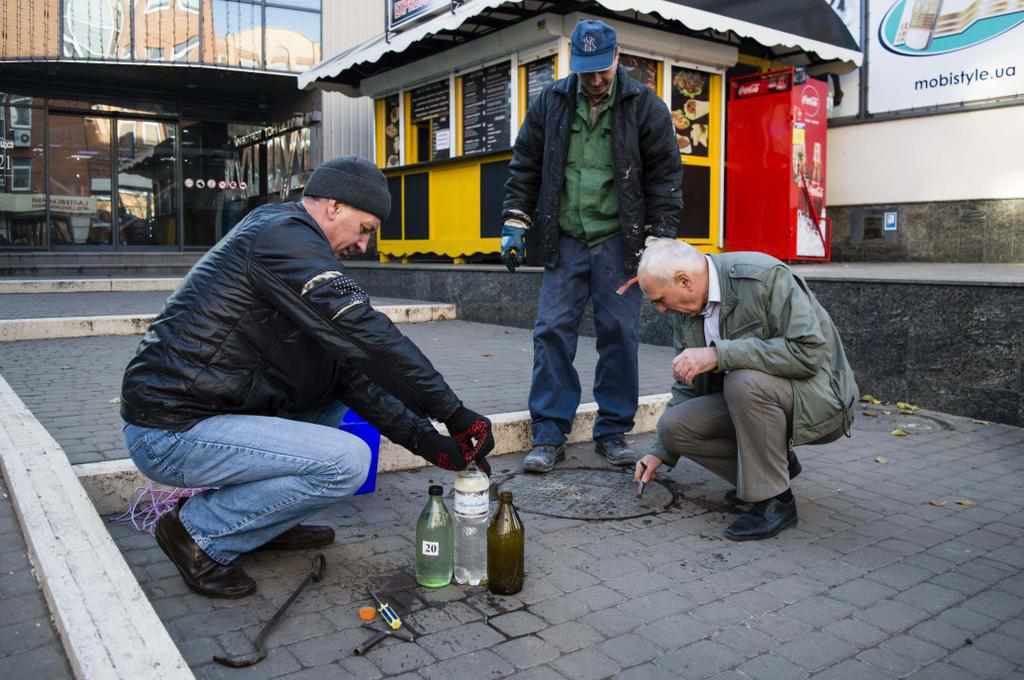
(435, 542)
(506, 544)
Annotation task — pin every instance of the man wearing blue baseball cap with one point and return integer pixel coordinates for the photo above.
(595, 170)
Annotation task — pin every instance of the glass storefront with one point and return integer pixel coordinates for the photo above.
(108, 178)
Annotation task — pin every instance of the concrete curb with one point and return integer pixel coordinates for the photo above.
(111, 484)
(107, 625)
(12, 330)
(89, 285)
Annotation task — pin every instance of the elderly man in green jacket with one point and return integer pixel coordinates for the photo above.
(760, 369)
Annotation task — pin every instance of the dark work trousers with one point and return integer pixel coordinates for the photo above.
(585, 274)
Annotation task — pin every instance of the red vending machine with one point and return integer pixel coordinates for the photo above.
(775, 166)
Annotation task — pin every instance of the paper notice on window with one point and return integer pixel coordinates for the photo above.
(443, 140)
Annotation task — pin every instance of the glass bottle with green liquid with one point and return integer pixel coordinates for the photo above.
(435, 542)
(506, 543)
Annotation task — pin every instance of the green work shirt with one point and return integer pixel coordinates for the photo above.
(589, 209)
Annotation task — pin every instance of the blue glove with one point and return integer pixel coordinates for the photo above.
(513, 246)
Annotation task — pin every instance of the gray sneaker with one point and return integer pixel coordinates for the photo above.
(542, 458)
(616, 450)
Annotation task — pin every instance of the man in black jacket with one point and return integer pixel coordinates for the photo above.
(240, 383)
(595, 170)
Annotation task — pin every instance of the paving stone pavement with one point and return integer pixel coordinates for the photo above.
(72, 385)
(29, 644)
(49, 305)
(886, 576)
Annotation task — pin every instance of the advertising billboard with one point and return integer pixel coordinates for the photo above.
(927, 53)
(404, 12)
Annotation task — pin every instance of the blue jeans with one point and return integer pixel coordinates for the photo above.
(272, 473)
(585, 274)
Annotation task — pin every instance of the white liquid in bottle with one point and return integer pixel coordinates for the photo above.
(472, 512)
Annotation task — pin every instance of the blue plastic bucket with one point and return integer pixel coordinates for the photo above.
(353, 423)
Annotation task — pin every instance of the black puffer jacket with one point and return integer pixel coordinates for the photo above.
(648, 173)
(268, 323)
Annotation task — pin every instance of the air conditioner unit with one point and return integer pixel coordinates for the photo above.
(22, 137)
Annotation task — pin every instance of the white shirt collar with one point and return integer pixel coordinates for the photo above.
(714, 290)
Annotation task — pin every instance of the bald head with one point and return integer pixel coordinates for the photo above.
(674, 276)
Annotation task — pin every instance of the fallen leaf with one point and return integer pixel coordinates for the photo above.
(871, 414)
(899, 433)
(906, 406)
(966, 503)
(115, 400)
(881, 459)
(937, 504)
(981, 422)
(871, 399)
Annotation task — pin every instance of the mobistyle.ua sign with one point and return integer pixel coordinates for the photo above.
(927, 53)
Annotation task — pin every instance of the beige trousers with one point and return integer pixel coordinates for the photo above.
(741, 433)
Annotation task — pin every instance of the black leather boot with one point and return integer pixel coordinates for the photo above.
(615, 450)
(764, 520)
(301, 537)
(201, 574)
(542, 458)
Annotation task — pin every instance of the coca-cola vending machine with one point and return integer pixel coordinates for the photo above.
(775, 166)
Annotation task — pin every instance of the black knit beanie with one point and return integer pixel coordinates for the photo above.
(354, 181)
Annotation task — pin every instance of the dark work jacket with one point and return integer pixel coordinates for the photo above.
(268, 323)
(648, 173)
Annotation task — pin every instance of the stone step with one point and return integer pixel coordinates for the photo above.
(111, 484)
(12, 330)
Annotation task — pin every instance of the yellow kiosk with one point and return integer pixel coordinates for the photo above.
(452, 81)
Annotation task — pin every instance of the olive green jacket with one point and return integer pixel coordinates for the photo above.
(770, 321)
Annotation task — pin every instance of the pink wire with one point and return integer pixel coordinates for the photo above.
(149, 503)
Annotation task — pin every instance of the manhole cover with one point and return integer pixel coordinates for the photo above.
(888, 419)
(586, 493)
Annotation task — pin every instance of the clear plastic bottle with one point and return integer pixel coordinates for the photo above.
(472, 511)
(435, 542)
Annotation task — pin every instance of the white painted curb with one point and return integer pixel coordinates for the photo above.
(107, 625)
(12, 330)
(8, 286)
(112, 484)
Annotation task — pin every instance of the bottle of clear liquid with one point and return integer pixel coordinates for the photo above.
(506, 540)
(472, 506)
(435, 542)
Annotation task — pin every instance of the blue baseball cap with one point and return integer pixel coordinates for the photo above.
(593, 46)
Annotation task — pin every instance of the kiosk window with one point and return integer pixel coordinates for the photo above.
(691, 110)
(539, 74)
(486, 107)
(429, 122)
(642, 69)
(695, 222)
(392, 132)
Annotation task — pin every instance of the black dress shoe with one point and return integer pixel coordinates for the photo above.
(301, 537)
(792, 463)
(202, 574)
(764, 520)
(615, 450)
(543, 458)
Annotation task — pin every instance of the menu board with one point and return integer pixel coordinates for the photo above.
(691, 106)
(539, 74)
(392, 132)
(486, 107)
(641, 68)
(430, 101)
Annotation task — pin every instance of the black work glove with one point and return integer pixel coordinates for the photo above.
(473, 433)
(442, 451)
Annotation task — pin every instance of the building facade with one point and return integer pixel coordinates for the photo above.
(151, 124)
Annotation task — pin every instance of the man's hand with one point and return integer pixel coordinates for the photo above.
(473, 434)
(645, 468)
(513, 246)
(442, 451)
(692, 362)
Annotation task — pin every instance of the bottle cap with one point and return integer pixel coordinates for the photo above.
(436, 490)
(505, 496)
(367, 613)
